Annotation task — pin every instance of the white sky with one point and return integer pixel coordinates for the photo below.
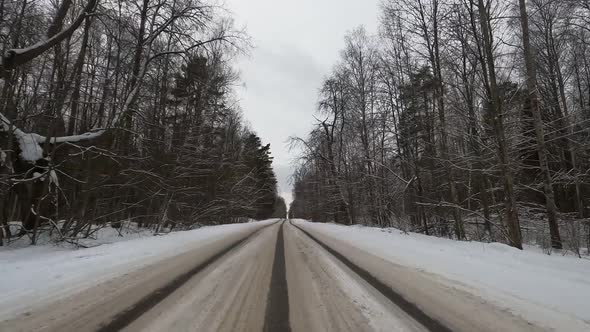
(297, 42)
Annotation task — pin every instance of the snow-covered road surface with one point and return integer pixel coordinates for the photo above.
(270, 276)
(35, 276)
(549, 291)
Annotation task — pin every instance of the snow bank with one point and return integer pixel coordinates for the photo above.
(521, 281)
(39, 273)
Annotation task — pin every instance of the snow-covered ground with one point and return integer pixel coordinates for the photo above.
(534, 285)
(99, 235)
(38, 273)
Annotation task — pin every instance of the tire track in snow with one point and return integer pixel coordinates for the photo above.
(410, 308)
(132, 313)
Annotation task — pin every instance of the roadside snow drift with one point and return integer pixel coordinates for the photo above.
(536, 286)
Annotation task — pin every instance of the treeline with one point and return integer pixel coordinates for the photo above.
(461, 118)
(118, 111)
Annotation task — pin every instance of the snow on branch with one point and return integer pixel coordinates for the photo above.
(74, 138)
(20, 56)
(30, 143)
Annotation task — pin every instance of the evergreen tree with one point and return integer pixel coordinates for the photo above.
(258, 164)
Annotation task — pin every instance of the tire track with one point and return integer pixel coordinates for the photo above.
(410, 308)
(132, 313)
(277, 307)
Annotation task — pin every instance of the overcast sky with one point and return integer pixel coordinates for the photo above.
(297, 42)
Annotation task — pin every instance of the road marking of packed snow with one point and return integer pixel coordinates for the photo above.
(410, 308)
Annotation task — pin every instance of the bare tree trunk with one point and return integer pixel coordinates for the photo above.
(531, 82)
(77, 78)
(432, 42)
(514, 235)
(569, 129)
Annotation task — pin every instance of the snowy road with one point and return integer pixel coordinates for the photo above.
(277, 277)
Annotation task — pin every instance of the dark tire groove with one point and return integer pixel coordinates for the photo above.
(277, 306)
(132, 313)
(410, 308)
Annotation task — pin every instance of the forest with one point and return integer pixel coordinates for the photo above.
(125, 111)
(466, 119)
